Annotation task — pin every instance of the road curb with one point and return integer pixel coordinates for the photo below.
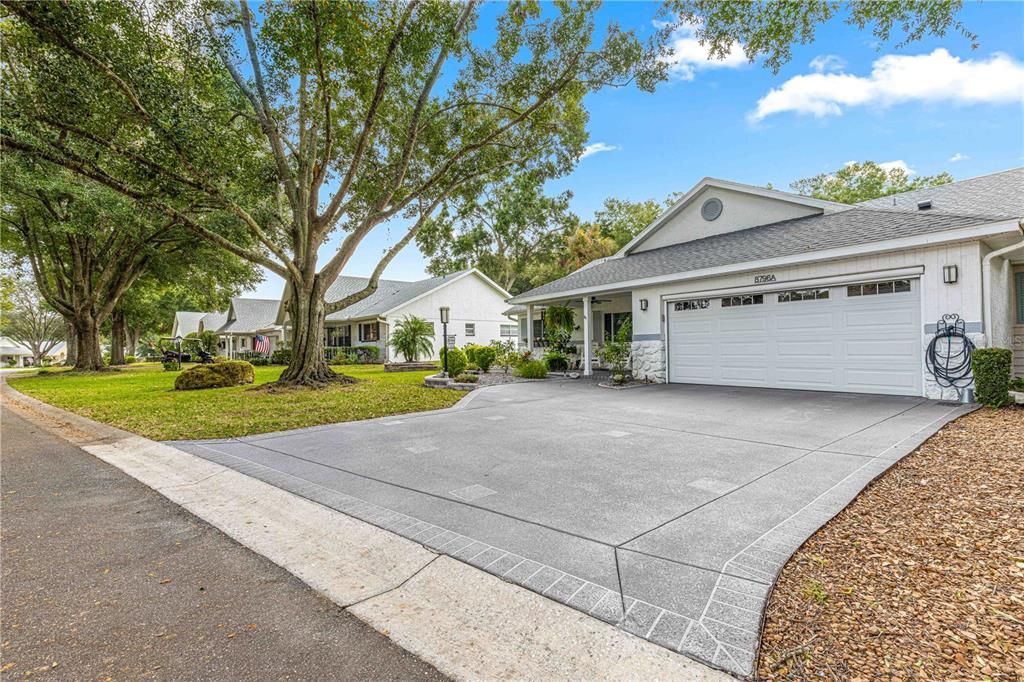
(467, 623)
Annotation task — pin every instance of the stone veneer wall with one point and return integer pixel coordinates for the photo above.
(648, 360)
(931, 388)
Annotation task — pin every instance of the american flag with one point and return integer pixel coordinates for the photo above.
(261, 344)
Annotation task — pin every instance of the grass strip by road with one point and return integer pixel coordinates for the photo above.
(142, 399)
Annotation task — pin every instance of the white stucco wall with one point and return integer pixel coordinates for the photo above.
(739, 211)
(470, 300)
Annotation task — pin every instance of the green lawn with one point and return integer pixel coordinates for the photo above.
(142, 399)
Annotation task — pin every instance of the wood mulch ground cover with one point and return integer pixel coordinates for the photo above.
(921, 577)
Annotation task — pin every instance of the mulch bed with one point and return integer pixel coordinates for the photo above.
(921, 577)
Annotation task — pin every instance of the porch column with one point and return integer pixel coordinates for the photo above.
(587, 332)
(529, 327)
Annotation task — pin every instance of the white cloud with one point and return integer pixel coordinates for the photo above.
(597, 148)
(827, 62)
(689, 56)
(898, 163)
(935, 77)
(958, 157)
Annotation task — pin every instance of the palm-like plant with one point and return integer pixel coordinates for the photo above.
(412, 337)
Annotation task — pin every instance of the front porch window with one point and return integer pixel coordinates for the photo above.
(369, 331)
(338, 337)
(613, 323)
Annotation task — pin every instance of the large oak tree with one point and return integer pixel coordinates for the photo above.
(360, 113)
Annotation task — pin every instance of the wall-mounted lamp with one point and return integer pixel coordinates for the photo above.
(949, 274)
(643, 304)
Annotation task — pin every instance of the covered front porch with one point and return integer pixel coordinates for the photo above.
(596, 319)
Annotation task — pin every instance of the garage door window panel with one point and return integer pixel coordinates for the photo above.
(738, 301)
(695, 304)
(803, 295)
(896, 286)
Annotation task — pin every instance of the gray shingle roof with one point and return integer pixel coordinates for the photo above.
(212, 322)
(997, 194)
(989, 198)
(389, 295)
(187, 321)
(786, 238)
(251, 314)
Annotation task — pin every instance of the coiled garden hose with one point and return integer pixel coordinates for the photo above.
(948, 357)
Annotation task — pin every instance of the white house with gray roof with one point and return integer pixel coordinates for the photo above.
(476, 304)
(745, 286)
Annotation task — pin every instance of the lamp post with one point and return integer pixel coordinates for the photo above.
(444, 338)
(177, 342)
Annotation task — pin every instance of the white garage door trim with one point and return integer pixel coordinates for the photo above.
(863, 344)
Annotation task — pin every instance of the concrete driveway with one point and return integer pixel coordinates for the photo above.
(666, 510)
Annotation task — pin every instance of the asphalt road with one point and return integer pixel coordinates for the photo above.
(103, 578)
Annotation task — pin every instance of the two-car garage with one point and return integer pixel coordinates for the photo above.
(861, 337)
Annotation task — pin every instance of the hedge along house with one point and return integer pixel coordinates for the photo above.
(476, 305)
(744, 286)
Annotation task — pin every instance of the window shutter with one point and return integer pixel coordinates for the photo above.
(1019, 278)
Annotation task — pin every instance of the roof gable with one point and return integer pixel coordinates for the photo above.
(250, 315)
(392, 294)
(742, 207)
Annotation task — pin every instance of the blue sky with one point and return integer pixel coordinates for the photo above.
(933, 105)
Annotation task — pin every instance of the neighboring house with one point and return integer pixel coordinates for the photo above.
(745, 286)
(475, 302)
(186, 322)
(14, 354)
(245, 320)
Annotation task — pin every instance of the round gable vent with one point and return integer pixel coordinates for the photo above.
(711, 209)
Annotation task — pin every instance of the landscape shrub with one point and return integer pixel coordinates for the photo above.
(456, 361)
(281, 356)
(556, 361)
(170, 366)
(366, 354)
(217, 375)
(991, 368)
(221, 358)
(485, 357)
(532, 369)
(467, 378)
(471, 349)
(259, 360)
(1017, 384)
(472, 366)
(506, 353)
(130, 359)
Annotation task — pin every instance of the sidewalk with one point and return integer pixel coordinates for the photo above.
(104, 577)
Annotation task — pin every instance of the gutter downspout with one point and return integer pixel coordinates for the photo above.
(986, 281)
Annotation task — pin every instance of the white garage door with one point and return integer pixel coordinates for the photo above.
(861, 338)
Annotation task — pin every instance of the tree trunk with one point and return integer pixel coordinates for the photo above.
(117, 337)
(88, 353)
(134, 334)
(71, 343)
(306, 316)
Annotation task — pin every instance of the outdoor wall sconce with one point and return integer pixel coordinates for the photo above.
(643, 304)
(949, 274)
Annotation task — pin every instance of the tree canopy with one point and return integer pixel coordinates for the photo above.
(307, 118)
(861, 181)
